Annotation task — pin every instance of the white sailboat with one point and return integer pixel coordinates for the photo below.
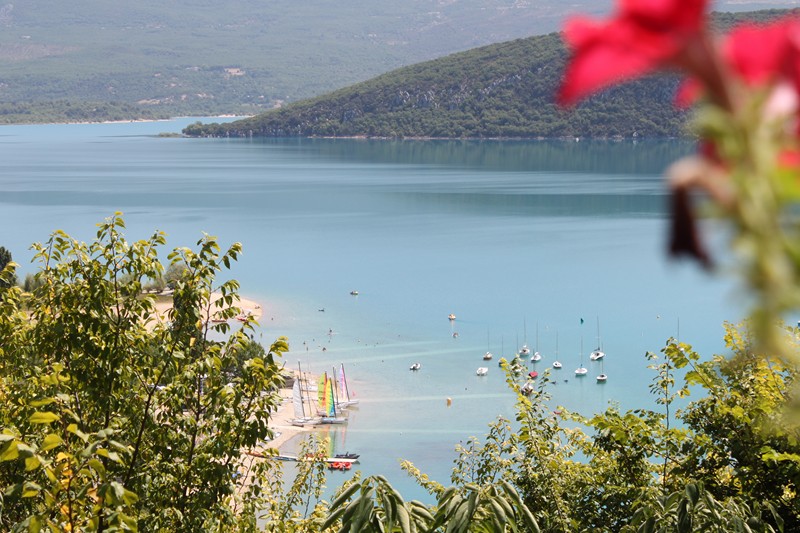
(524, 351)
(602, 377)
(301, 417)
(488, 355)
(581, 370)
(597, 353)
(536, 355)
(557, 364)
(346, 400)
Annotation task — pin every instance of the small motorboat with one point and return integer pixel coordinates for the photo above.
(533, 374)
(354, 293)
(557, 364)
(536, 357)
(524, 351)
(602, 378)
(415, 366)
(451, 317)
(347, 455)
(581, 371)
(487, 356)
(597, 354)
(482, 371)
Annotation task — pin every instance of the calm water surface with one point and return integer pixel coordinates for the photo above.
(514, 238)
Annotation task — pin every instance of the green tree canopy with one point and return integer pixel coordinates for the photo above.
(114, 417)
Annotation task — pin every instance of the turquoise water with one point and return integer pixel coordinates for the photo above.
(511, 237)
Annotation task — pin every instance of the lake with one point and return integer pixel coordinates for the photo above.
(538, 242)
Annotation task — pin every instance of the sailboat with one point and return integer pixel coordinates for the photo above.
(557, 364)
(301, 418)
(328, 402)
(601, 377)
(581, 370)
(346, 401)
(597, 353)
(488, 354)
(525, 351)
(536, 355)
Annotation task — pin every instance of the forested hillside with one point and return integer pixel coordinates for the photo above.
(504, 90)
(203, 58)
(150, 59)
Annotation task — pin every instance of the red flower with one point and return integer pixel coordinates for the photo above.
(759, 55)
(645, 35)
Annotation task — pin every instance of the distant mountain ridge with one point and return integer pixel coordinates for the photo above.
(86, 59)
(498, 91)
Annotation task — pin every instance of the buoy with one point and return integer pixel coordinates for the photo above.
(449, 402)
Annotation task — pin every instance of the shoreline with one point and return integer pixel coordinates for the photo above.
(280, 421)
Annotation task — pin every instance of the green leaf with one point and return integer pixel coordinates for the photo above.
(32, 463)
(10, 451)
(30, 489)
(43, 417)
(51, 441)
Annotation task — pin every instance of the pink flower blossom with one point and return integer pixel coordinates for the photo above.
(643, 36)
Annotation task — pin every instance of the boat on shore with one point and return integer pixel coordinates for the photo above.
(346, 400)
(302, 417)
(328, 402)
(312, 457)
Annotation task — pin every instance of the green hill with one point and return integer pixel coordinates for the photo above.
(231, 56)
(498, 91)
(503, 90)
(100, 60)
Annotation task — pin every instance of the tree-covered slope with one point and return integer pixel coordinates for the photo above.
(501, 90)
(202, 57)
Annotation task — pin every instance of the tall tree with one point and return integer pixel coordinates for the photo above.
(115, 417)
(10, 277)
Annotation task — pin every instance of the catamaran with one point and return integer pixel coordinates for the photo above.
(346, 400)
(328, 402)
(301, 417)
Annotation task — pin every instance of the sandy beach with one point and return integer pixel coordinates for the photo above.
(280, 420)
(249, 307)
